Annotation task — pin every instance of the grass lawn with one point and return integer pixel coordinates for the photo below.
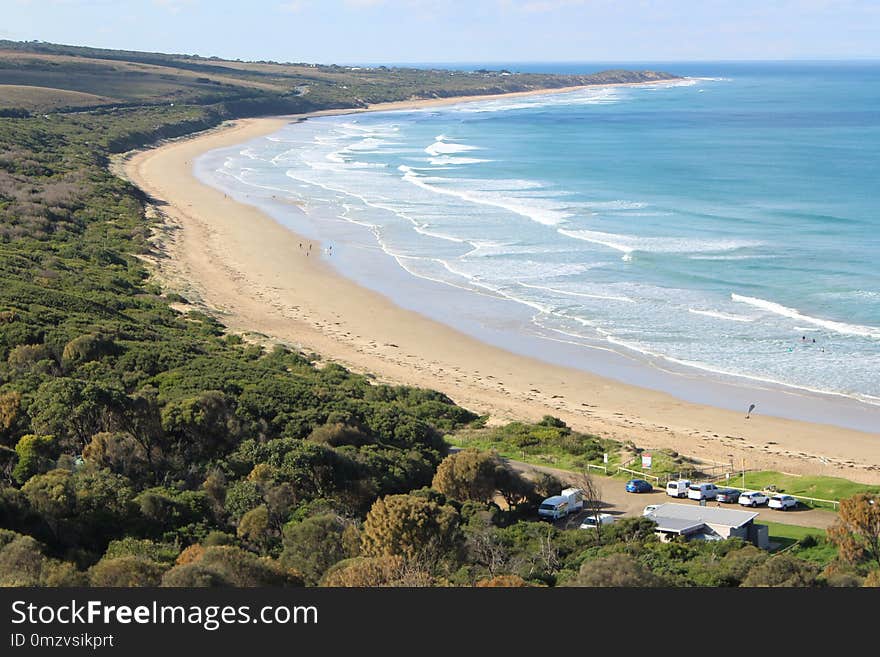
(789, 536)
(826, 488)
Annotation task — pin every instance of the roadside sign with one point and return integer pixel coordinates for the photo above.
(646, 461)
(605, 458)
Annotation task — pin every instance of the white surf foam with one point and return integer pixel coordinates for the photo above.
(448, 160)
(597, 96)
(628, 244)
(444, 148)
(533, 209)
(831, 325)
(568, 293)
(719, 315)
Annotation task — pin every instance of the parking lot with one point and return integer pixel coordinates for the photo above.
(617, 501)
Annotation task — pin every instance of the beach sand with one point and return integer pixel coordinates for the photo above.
(240, 264)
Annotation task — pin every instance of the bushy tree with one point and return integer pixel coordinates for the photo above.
(783, 570)
(338, 434)
(63, 574)
(86, 348)
(21, 560)
(872, 579)
(615, 570)
(243, 569)
(411, 527)
(164, 554)
(10, 415)
(26, 355)
(384, 570)
(467, 475)
(120, 452)
(52, 495)
(502, 581)
(193, 575)
(201, 427)
(74, 410)
(254, 527)
(857, 531)
(105, 507)
(362, 572)
(125, 572)
(36, 454)
(316, 543)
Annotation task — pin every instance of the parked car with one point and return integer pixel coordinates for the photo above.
(639, 486)
(753, 498)
(702, 491)
(728, 495)
(782, 502)
(591, 521)
(648, 510)
(678, 488)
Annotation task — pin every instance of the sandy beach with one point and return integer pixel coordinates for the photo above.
(250, 271)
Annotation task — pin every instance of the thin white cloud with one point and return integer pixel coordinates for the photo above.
(539, 6)
(294, 7)
(174, 6)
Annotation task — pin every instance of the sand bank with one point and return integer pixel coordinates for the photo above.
(249, 270)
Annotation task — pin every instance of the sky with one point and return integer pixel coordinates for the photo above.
(411, 31)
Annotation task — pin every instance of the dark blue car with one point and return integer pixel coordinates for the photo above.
(638, 486)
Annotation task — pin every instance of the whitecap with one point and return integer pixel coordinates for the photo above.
(547, 214)
(585, 295)
(444, 148)
(784, 311)
(628, 244)
(720, 315)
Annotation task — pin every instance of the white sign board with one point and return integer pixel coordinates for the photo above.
(646, 461)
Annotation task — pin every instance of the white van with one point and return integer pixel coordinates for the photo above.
(702, 491)
(571, 500)
(591, 522)
(678, 488)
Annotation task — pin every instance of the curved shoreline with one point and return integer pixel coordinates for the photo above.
(244, 265)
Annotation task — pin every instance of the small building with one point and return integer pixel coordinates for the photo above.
(708, 524)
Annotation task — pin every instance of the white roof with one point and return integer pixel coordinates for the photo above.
(677, 525)
(677, 515)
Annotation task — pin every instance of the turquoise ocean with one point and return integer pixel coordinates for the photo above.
(722, 228)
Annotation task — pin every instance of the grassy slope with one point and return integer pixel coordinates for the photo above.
(142, 78)
(825, 488)
(33, 98)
